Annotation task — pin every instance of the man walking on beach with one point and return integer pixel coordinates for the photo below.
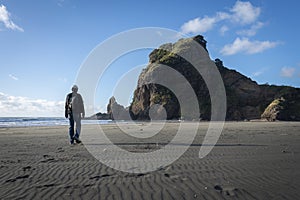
(74, 110)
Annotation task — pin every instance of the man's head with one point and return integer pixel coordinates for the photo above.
(75, 88)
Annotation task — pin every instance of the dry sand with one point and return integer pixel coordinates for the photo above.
(252, 160)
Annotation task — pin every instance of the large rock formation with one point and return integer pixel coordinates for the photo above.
(246, 99)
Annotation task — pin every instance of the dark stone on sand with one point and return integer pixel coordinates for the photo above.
(218, 187)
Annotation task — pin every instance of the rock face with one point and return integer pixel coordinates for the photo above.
(116, 111)
(99, 116)
(284, 108)
(246, 99)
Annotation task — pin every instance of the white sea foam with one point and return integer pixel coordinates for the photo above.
(41, 121)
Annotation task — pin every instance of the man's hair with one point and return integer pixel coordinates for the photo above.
(75, 87)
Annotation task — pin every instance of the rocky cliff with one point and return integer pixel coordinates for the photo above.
(117, 111)
(246, 99)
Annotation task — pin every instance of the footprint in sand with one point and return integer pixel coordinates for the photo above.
(227, 190)
(26, 168)
(48, 158)
(18, 177)
(60, 150)
(46, 185)
(101, 176)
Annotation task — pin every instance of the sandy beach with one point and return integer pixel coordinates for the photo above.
(252, 160)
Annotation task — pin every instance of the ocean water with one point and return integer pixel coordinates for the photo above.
(42, 121)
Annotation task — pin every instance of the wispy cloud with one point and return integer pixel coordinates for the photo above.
(259, 72)
(202, 25)
(5, 19)
(224, 29)
(13, 77)
(244, 45)
(16, 106)
(287, 72)
(65, 80)
(242, 13)
(198, 25)
(252, 30)
(60, 3)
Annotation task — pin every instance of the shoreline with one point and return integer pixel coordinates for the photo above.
(108, 122)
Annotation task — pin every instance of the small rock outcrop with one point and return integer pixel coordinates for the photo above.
(272, 111)
(285, 108)
(116, 111)
(99, 116)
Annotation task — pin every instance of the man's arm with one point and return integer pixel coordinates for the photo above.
(67, 106)
(82, 107)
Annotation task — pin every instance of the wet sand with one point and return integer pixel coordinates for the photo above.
(252, 160)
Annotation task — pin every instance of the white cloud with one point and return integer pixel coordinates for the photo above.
(16, 106)
(222, 16)
(202, 25)
(60, 3)
(287, 72)
(224, 29)
(245, 12)
(198, 25)
(5, 19)
(242, 13)
(159, 33)
(13, 77)
(252, 31)
(259, 72)
(244, 45)
(65, 80)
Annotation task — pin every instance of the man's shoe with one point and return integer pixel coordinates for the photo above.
(77, 141)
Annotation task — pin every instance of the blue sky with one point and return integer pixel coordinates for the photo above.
(44, 43)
